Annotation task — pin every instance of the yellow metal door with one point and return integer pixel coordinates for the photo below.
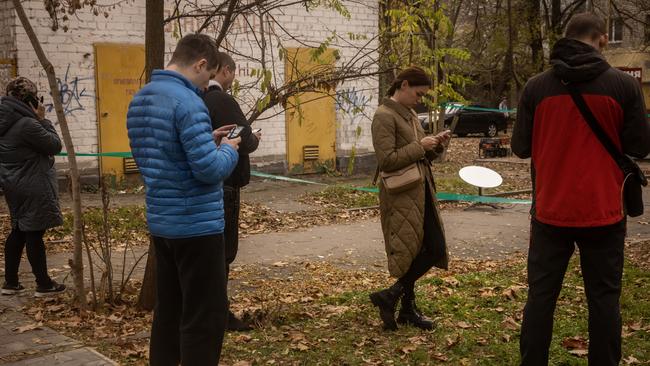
(310, 116)
(119, 69)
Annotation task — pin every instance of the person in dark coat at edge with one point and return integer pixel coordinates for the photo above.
(224, 110)
(577, 186)
(28, 143)
(413, 230)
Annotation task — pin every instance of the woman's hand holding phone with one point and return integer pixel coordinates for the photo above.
(429, 143)
(444, 137)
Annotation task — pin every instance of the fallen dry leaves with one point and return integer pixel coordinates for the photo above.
(638, 252)
(577, 346)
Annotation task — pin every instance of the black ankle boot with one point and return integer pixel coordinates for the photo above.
(386, 300)
(409, 314)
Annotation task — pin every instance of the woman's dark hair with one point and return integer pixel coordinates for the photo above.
(194, 47)
(415, 77)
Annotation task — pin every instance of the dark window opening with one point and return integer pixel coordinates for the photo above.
(616, 30)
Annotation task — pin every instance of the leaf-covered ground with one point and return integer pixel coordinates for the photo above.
(319, 314)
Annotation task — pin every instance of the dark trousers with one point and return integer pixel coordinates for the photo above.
(190, 314)
(423, 262)
(14, 246)
(601, 261)
(231, 203)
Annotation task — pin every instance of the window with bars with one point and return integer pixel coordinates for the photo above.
(616, 30)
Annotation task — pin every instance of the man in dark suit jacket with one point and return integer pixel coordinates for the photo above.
(224, 110)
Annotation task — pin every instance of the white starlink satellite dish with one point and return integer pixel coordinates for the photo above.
(481, 177)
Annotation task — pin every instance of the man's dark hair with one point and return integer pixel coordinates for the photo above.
(226, 60)
(415, 77)
(194, 47)
(585, 26)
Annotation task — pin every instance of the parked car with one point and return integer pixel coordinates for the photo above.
(489, 123)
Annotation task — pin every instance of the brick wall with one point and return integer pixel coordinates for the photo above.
(7, 38)
(634, 18)
(73, 57)
(7, 43)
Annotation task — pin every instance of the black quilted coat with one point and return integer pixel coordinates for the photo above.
(27, 173)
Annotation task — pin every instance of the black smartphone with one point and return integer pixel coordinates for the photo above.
(257, 130)
(235, 132)
(33, 101)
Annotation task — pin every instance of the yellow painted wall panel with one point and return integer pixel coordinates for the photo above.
(310, 116)
(119, 74)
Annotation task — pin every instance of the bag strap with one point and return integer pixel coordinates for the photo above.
(620, 159)
(374, 180)
(415, 134)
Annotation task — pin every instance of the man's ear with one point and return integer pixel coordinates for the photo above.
(405, 83)
(200, 65)
(603, 41)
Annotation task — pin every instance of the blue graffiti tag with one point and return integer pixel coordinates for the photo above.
(352, 103)
(71, 95)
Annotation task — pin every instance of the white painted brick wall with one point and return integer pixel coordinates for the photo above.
(73, 57)
(7, 43)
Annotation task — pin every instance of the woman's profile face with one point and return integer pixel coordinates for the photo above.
(412, 95)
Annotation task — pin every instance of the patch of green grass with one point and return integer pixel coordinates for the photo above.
(478, 315)
(342, 197)
(454, 184)
(120, 220)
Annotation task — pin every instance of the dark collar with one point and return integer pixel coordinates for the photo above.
(19, 106)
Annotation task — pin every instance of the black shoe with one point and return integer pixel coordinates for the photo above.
(386, 300)
(53, 289)
(237, 325)
(8, 289)
(411, 315)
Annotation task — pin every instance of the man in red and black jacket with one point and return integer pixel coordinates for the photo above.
(224, 110)
(577, 186)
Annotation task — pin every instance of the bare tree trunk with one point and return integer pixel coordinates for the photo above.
(533, 15)
(154, 45)
(76, 263)
(504, 82)
(385, 28)
(556, 21)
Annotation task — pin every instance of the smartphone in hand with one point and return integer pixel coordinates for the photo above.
(235, 132)
(257, 130)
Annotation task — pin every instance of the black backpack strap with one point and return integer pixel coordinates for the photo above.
(620, 159)
(627, 165)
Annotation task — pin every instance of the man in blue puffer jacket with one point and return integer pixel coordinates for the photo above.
(183, 164)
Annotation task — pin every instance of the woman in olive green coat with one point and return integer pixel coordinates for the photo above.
(413, 231)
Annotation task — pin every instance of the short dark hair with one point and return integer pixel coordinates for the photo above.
(415, 76)
(226, 60)
(194, 47)
(585, 25)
